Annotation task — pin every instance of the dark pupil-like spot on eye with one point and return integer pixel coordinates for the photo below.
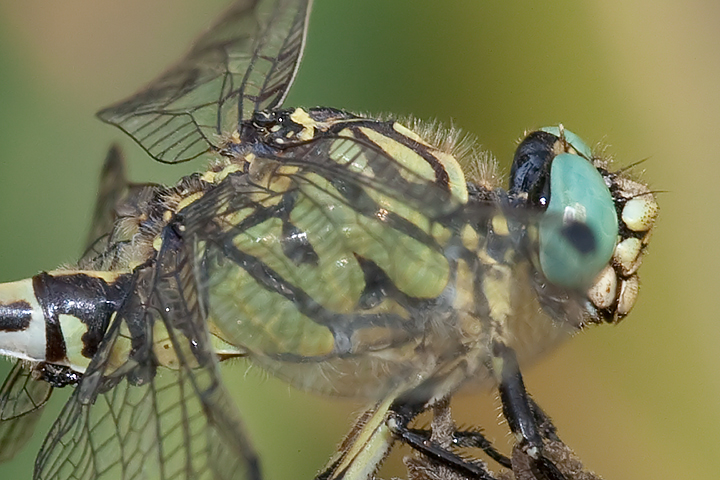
(580, 236)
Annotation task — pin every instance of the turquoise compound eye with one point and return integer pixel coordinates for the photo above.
(579, 232)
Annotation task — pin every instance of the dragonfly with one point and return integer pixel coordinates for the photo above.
(347, 255)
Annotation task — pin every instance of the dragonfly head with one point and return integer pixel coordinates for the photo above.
(595, 223)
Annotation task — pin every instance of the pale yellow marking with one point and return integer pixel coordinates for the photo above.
(73, 329)
(231, 219)
(301, 117)
(217, 177)
(164, 349)
(167, 215)
(19, 291)
(119, 356)
(157, 243)
(496, 287)
(419, 165)
(470, 237)
(497, 366)
(485, 258)
(440, 233)
(232, 168)
(272, 176)
(208, 176)
(415, 165)
(346, 132)
(28, 344)
(188, 200)
(406, 132)
(500, 226)
(456, 176)
(287, 170)
(266, 200)
(465, 302)
(349, 154)
(281, 180)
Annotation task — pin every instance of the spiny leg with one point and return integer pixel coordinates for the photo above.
(526, 420)
(435, 444)
(444, 432)
(469, 439)
(475, 439)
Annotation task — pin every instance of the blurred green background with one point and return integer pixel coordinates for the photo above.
(641, 400)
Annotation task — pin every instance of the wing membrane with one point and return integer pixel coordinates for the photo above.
(243, 63)
(158, 430)
(151, 404)
(113, 184)
(343, 272)
(329, 268)
(22, 399)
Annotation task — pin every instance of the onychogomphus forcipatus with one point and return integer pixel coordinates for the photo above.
(347, 255)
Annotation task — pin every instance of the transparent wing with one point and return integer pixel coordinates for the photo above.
(112, 188)
(243, 63)
(151, 404)
(22, 399)
(344, 272)
(113, 185)
(118, 205)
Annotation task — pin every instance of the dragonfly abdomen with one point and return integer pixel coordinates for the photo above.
(59, 317)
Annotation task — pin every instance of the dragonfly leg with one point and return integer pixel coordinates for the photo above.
(426, 443)
(475, 439)
(526, 419)
(445, 457)
(468, 439)
(445, 434)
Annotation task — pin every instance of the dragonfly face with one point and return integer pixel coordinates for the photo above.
(344, 254)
